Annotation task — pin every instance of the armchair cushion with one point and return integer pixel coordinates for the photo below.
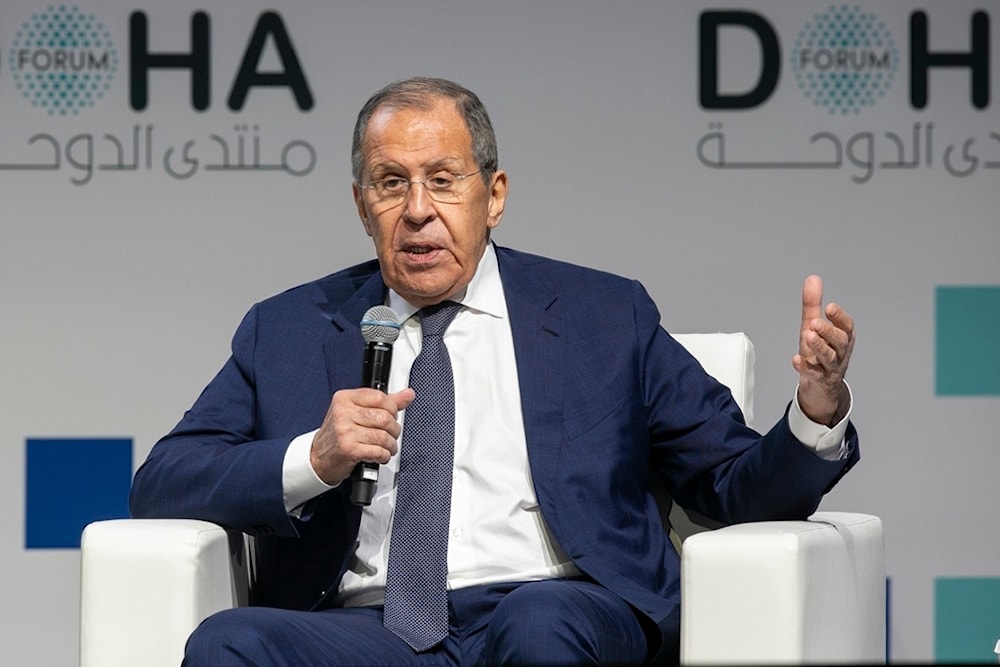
(146, 584)
(785, 592)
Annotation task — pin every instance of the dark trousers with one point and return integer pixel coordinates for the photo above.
(555, 622)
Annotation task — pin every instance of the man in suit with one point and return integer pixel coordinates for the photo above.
(568, 396)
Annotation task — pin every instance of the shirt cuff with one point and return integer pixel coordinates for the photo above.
(826, 442)
(300, 482)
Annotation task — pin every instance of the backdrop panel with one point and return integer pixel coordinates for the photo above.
(153, 188)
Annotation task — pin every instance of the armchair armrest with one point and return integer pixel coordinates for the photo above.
(785, 592)
(147, 583)
(756, 593)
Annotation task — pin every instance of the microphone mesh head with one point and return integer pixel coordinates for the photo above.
(380, 325)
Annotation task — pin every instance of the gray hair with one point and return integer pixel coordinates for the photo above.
(420, 93)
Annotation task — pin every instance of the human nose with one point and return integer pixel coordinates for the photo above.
(419, 207)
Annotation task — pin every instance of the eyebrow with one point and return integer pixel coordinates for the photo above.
(447, 163)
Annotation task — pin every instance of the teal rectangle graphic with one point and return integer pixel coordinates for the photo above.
(966, 619)
(967, 341)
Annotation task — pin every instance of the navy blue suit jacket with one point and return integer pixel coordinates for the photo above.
(609, 399)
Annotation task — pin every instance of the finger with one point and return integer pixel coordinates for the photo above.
(371, 407)
(838, 332)
(370, 398)
(363, 440)
(378, 445)
(841, 319)
(812, 300)
(403, 398)
(376, 453)
(363, 415)
(807, 366)
(824, 353)
(375, 418)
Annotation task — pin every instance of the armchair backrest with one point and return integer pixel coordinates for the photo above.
(729, 358)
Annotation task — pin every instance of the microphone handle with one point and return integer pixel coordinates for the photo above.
(375, 375)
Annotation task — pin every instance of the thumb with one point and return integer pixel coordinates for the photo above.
(403, 398)
(812, 300)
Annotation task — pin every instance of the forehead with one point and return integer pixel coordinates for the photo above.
(412, 136)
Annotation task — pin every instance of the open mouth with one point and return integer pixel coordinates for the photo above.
(421, 254)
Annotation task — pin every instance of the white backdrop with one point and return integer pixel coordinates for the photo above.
(120, 288)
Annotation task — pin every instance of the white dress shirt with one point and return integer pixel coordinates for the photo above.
(497, 531)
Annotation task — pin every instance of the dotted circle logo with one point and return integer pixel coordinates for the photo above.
(62, 60)
(844, 59)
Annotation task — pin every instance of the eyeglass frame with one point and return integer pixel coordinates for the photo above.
(410, 182)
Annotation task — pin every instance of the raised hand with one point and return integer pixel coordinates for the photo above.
(825, 347)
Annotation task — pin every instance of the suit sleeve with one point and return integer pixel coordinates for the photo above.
(215, 465)
(710, 460)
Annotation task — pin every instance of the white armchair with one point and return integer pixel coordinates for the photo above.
(763, 593)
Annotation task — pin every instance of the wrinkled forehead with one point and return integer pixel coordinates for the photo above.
(399, 134)
(435, 106)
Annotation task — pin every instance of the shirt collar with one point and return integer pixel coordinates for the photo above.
(484, 292)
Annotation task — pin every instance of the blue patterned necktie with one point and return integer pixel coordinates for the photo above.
(416, 599)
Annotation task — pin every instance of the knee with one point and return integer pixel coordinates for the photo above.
(563, 623)
(535, 605)
(533, 626)
(225, 638)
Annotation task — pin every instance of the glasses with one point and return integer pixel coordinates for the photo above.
(443, 187)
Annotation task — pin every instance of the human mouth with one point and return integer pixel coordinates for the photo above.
(421, 253)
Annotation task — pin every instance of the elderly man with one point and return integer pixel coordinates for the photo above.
(528, 403)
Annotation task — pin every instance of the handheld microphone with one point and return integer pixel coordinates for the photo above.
(380, 328)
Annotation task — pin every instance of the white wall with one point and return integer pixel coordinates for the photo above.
(118, 296)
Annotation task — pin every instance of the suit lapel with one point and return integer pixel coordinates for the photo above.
(539, 349)
(344, 347)
(344, 304)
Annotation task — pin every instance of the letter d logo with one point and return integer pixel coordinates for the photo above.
(708, 33)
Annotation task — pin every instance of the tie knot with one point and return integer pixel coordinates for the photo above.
(435, 319)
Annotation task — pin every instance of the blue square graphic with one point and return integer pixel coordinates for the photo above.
(967, 345)
(966, 619)
(70, 482)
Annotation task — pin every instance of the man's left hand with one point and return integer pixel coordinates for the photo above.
(825, 347)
